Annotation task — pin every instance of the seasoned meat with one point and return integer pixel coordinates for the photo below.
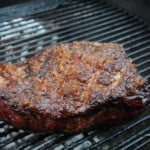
(72, 87)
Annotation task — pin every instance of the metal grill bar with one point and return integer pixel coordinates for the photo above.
(70, 25)
(136, 33)
(138, 51)
(102, 29)
(33, 139)
(60, 17)
(104, 24)
(129, 27)
(64, 26)
(2, 124)
(140, 146)
(111, 137)
(136, 141)
(2, 144)
(132, 140)
(142, 56)
(10, 13)
(29, 54)
(143, 63)
(2, 56)
(145, 42)
(50, 144)
(7, 131)
(63, 10)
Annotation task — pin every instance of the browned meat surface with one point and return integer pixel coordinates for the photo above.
(72, 87)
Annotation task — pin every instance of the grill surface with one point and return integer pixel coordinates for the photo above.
(92, 20)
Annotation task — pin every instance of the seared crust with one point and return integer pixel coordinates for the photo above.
(109, 114)
(71, 80)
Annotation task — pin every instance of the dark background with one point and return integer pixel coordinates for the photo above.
(139, 7)
(10, 9)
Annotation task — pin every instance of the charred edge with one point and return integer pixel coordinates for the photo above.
(108, 114)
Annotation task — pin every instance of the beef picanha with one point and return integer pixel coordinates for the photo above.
(72, 87)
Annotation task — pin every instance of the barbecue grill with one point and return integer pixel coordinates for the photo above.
(33, 30)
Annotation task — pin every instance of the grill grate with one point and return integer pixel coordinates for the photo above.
(92, 20)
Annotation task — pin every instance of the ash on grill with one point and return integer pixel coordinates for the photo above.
(92, 20)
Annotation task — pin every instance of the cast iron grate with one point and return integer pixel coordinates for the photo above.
(92, 20)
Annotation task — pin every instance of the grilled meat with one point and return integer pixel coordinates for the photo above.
(72, 87)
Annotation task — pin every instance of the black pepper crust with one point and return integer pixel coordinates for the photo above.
(70, 83)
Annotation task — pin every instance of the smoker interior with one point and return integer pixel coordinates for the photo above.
(99, 21)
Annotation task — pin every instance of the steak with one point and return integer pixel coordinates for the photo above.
(72, 87)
